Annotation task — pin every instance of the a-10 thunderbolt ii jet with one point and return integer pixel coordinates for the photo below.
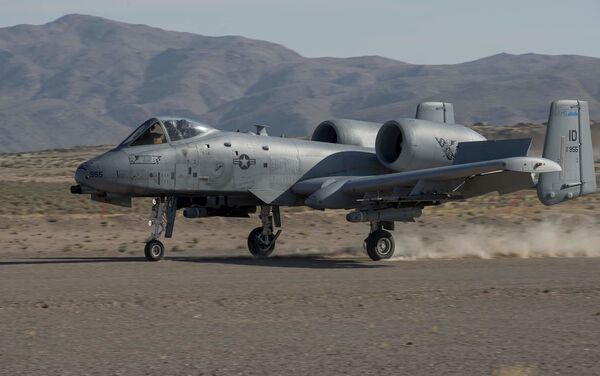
(383, 173)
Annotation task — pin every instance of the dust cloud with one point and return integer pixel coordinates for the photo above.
(485, 242)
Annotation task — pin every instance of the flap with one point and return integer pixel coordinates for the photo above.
(477, 151)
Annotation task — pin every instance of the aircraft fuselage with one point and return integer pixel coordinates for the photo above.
(224, 163)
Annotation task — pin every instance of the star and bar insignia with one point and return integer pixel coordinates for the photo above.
(244, 161)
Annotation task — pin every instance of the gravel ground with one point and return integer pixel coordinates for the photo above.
(229, 314)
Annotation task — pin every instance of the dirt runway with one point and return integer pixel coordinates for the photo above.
(223, 315)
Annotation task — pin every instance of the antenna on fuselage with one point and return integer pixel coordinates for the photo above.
(261, 130)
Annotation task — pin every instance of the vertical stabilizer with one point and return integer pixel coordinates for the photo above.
(569, 143)
(439, 112)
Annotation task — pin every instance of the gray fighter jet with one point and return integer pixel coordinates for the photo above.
(383, 173)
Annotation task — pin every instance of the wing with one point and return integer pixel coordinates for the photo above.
(466, 170)
(344, 191)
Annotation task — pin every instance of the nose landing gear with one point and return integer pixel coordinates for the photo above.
(154, 250)
(261, 241)
(162, 220)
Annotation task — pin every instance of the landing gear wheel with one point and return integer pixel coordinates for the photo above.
(260, 245)
(380, 245)
(154, 250)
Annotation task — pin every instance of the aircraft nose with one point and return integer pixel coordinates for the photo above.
(81, 173)
(101, 173)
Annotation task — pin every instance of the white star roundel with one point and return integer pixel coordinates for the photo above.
(244, 161)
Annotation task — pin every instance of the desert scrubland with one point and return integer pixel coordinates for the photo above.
(498, 285)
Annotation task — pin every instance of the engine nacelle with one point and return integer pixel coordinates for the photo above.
(347, 132)
(412, 144)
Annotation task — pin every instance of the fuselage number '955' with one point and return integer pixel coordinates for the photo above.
(95, 174)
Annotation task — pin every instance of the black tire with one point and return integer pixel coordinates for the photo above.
(258, 246)
(380, 245)
(154, 250)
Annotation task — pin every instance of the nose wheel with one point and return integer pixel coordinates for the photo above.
(162, 221)
(154, 250)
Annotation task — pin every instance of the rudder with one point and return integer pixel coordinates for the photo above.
(569, 143)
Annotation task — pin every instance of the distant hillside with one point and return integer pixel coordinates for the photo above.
(84, 80)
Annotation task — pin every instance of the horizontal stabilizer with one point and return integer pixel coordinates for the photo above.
(477, 151)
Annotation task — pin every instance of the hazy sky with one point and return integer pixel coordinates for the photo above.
(429, 32)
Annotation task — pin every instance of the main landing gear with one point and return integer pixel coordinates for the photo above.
(380, 243)
(261, 241)
(162, 220)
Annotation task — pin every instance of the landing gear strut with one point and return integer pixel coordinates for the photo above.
(162, 220)
(261, 241)
(380, 243)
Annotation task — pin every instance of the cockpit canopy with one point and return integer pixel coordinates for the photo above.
(162, 130)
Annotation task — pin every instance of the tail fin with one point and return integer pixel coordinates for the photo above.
(569, 143)
(440, 112)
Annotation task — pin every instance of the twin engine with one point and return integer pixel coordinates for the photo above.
(347, 132)
(429, 140)
(413, 144)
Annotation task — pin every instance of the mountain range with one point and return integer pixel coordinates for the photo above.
(86, 80)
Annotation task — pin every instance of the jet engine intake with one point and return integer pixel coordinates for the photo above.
(347, 132)
(413, 144)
